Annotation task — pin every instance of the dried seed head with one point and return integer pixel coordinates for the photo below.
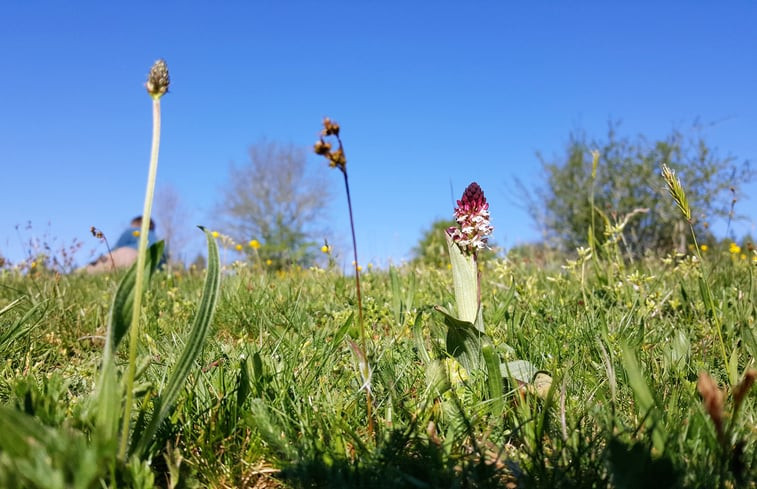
(96, 233)
(472, 216)
(337, 159)
(158, 79)
(322, 148)
(741, 390)
(330, 128)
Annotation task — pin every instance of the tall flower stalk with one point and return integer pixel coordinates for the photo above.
(337, 159)
(157, 86)
(465, 241)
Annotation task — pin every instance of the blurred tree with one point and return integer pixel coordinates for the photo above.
(172, 222)
(275, 200)
(629, 193)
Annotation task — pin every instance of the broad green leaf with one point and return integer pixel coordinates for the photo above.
(465, 282)
(464, 341)
(164, 404)
(20, 432)
(520, 370)
(437, 380)
(108, 409)
(644, 398)
(108, 395)
(493, 378)
(121, 309)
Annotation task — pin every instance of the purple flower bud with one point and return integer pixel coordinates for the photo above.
(472, 216)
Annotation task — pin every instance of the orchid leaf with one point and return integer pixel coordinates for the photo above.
(465, 282)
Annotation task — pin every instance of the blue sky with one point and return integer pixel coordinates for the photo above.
(428, 94)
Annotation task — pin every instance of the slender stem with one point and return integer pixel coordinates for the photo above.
(141, 259)
(710, 302)
(368, 398)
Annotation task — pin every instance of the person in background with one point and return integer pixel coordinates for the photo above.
(124, 253)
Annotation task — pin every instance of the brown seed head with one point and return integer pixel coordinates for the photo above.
(712, 399)
(742, 389)
(330, 128)
(337, 159)
(158, 79)
(322, 148)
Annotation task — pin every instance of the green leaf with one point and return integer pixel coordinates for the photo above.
(164, 404)
(520, 370)
(243, 383)
(20, 327)
(644, 398)
(121, 309)
(493, 378)
(20, 433)
(270, 430)
(465, 282)
(396, 295)
(464, 341)
(108, 407)
(419, 340)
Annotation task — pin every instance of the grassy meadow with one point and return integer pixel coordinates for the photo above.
(276, 397)
(531, 371)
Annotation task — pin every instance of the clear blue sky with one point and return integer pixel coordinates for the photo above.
(427, 93)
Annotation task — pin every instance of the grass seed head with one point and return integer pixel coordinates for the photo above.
(676, 191)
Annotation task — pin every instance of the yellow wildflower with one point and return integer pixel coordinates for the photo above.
(704, 248)
(215, 234)
(734, 249)
(239, 247)
(269, 262)
(135, 232)
(254, 244)
(325, 248)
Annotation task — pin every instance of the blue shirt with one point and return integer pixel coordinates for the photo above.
(130, 239)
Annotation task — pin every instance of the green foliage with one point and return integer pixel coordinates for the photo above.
(273, 399)
(78, 450)
(630, 199)
(431, 250)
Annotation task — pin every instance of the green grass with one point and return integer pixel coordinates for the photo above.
(275, 399)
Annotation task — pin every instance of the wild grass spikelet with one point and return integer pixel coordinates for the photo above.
(676, 191)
